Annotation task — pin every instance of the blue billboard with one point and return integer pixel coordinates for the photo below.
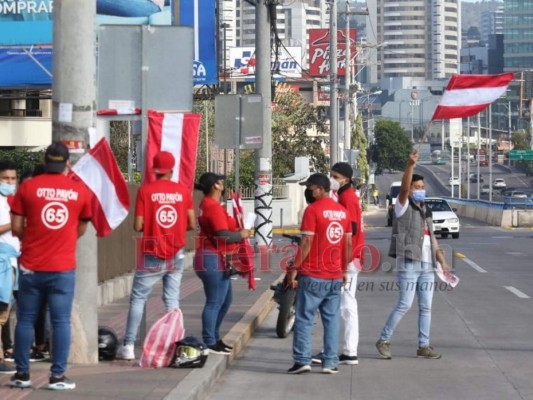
(25, 67)
(29, 22)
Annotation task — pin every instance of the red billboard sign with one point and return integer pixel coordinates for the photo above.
(319, 51)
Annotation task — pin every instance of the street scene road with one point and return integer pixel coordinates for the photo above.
(482, 327)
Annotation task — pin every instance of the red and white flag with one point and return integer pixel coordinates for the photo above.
(467, 95)
(99, 170)
(177, 134)
(244, 257)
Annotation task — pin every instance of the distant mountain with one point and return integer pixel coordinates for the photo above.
(471, 12)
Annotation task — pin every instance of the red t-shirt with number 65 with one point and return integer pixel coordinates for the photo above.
(164, 205)
(53, 205)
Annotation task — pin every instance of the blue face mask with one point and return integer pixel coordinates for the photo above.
(419, 196)
(7, 190)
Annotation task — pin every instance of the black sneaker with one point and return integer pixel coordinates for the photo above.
(61, 383)
(218, 348)
(299, 369)
(20, 380)
(317, 358)
(37, 356)
(348, 360)
(227, 346)
(6, 368)
(9, 356)
(330, 371)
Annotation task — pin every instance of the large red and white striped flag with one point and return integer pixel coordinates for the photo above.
(99, 170)
(467, 95)
(177, 134)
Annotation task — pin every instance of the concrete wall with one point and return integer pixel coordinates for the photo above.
(494, 215)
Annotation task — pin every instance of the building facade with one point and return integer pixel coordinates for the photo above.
(518, 35)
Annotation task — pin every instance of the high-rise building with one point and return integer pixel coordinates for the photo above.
(491, 23)
(422, 36)
(518, 35)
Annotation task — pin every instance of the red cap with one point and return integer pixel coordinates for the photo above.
(163, 162)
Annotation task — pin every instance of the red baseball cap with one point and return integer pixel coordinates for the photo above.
(163, 162)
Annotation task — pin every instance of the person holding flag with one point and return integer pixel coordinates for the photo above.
(164, 211)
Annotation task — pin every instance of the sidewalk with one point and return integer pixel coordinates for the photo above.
(123, 380)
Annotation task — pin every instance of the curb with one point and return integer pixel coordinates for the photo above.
(199, 382)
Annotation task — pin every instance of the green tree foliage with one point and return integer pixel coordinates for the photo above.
(521, 140)
(24, 160)
(392, 145)
(359, 142)
(292, 120)
(207, 109)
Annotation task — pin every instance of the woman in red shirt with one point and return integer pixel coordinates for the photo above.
(218, 236)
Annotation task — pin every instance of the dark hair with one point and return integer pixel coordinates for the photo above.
(417, 177)
(7, 165)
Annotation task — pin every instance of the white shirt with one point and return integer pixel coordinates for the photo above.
(400, 210)
(5, 218)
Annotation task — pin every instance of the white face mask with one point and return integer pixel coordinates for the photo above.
(334, 184)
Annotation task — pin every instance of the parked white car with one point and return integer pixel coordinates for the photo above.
(485, 189)
(445, 221)
(499, 183)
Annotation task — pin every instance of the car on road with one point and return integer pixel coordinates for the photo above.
(454, 181)
(445, 221)
(485, 189)
(517, 194)
(475, 178)
(499, 183)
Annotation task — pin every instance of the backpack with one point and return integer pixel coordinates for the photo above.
(160, 344)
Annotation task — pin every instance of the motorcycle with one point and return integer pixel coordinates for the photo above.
(285, 296)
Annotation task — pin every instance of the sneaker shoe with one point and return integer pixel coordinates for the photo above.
(383, 347)
(37, 356)
(317, 358)
(227, 346)
(9, 356)
(299, 369)
(6, 368)
(428, 352)
(348, 360)
(20, 380)
(61, 383)
(126, 352)
(218, 348)
(330, 370)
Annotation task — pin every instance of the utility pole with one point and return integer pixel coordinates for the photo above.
(347, 79)
(73, 88)
(333, 87)
(263, 156)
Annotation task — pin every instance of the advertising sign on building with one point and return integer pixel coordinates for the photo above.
(29, 23)
(319, 51)
(287, 64)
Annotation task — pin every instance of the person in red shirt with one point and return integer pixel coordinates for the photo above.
(218, 236)
(50, 213)
(164, 211)
(321, 263)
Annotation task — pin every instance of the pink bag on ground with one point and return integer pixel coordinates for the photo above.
(160, 343)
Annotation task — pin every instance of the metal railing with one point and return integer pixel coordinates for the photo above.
(278, 192)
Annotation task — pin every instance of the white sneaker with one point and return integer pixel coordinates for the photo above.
(126, 352)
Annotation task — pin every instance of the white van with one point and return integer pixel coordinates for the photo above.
(394, 191)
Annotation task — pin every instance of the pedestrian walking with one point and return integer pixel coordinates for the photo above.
(9, 251)
(50, 212)
(416, 250)
(219, 236)
(164, 211)
(375, 195)
(320, 266)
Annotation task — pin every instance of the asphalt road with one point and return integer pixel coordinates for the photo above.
(484, 329)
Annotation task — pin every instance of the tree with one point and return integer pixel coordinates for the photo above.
(392, 145)
(360, 143)
(521, 140)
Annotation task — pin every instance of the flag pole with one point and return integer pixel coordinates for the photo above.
(423, 138)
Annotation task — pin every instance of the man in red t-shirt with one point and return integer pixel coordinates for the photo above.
(50, 212)
(321, 263)
(342, 172)
(164, 211)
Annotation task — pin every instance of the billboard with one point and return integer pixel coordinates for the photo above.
(288, 63)
(25, 67)
(29, 23)
(319, 51)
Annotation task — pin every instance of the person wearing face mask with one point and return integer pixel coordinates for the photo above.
(321, 263)
(416, 250)
(9, 251)
(218, 236)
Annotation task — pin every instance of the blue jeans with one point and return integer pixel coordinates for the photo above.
(413, 277)
(155, 269)
(58, 290)
(126, 8)
(218, 295)
(317, 294)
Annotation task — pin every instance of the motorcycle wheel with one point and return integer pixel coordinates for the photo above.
(287, 313)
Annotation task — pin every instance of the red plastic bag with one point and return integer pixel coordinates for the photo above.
(160, 343)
